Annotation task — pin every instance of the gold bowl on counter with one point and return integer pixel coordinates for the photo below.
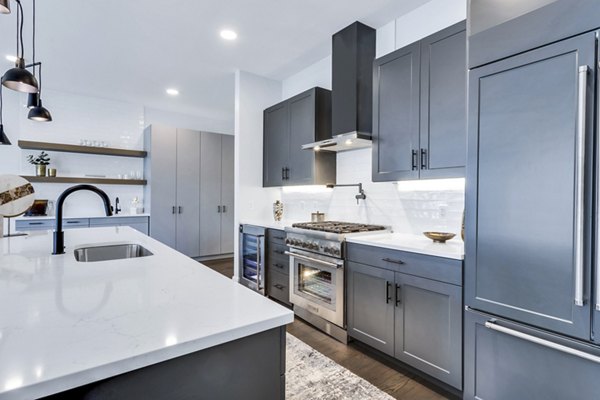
(439, 237)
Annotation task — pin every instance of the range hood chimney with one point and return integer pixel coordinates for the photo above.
(352, 90)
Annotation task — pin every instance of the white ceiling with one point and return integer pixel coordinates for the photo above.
(133, 50)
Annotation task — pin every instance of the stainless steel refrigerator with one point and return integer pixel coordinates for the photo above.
(532, 290)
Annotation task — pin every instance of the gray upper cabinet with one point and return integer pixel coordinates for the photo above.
(371, 306)
(396, 115)
(419, 109)
(529, 182)
(302, 119)
(443, 126)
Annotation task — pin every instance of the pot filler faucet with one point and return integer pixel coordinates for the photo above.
(361, 193)
(59, 235)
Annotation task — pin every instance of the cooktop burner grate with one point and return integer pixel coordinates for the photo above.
(338, 227)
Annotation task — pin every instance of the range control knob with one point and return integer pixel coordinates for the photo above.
(314, 246)
(336, 252)
(304, 245)
(288, 241)
(327, 249)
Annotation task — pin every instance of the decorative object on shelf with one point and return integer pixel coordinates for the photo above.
(317, 217)
(16, 197)
(439, 237)
(40, 162)
(18, 78)
(52, 172)
(3, 138)
(136, 207)
(278, 210)
(4, 6)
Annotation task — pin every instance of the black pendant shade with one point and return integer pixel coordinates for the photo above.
(3, 138)
(19, 79)
(39, 113)
(4, 6)
(33, 100)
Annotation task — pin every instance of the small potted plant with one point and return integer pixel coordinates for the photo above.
(40, 162)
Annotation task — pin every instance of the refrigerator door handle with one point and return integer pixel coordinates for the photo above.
(543, 342)
(579, 183)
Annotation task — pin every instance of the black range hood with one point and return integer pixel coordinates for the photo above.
(352, 90)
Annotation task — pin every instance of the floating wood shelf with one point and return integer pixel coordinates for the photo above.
(101, 181)
(71, 148)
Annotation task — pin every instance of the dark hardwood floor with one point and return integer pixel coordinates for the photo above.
(400, 385)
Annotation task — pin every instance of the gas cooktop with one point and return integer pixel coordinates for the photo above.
(338, 227)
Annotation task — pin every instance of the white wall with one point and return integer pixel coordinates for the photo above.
(252, 95)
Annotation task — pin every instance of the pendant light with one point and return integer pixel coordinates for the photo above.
(3, 138)
(4, 6)
(37, 112)
(18, 78)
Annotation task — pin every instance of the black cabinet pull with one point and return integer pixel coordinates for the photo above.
(423, 159)
(174, 209)
(414, 160)
(398, 295)
(73, 222)
(278, 286)
(218, 209)
(278, 252)
(388, 296)
(180, 209)
(283, 174)
(36, 223)
(278, 266)
(279, 237)
(392, 261)
(287, 174)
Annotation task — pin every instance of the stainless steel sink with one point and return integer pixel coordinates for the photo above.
(113, 252)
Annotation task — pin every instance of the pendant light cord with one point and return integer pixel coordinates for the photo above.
(1, 106)
(20, 30)
(33, 41)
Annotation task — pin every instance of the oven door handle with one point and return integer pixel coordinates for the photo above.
(315, 260)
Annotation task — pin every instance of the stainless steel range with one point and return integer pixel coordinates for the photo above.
(317, 272)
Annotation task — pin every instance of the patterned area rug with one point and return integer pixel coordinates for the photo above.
(312, 376)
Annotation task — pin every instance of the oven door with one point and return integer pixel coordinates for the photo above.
(317, 285)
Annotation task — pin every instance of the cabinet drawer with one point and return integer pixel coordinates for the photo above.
(279, 264)
(277, 251)
(501, 366)
(34, 225)
(278, 286)
(436, 268)
(118, 221)
(276, 236)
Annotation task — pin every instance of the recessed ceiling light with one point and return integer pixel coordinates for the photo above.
(11, 58)
(228, 34)
(172, 92)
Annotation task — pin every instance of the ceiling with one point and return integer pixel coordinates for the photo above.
(133, 50)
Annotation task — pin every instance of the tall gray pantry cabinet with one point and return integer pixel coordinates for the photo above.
(531, 265)
(190, 190)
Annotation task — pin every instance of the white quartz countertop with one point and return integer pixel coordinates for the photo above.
(453, 249)
(65, 323)
(269, 223)
(121, 215)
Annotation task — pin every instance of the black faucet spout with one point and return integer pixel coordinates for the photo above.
(59, 235)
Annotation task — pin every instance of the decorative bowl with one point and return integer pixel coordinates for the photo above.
(439, 237)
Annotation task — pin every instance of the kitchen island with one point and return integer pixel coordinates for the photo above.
(160, 326)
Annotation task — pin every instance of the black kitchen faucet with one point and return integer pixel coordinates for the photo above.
(59, 235)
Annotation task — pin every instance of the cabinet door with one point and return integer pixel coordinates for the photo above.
(188, 192)
(370, 308)
(444, 104)
(530, 365)
(396, 115)
(276, 145)
(228, 230)
(302, 131)
(210, 195)
(530, 186)
(162, 171)
(428, 327)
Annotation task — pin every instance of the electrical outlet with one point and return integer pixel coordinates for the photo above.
(443, 210)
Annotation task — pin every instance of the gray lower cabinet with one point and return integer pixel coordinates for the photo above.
(502, 366)
(302, 119)
(190, 189)
(419, 117)
(414, 319)
(139, 223)
(277, 267)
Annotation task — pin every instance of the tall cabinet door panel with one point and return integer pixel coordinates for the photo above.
(529, 172)
(188, 192)
(428, 327)
(302, 131)
(276, 144)
(444, 103)
(370, 298)
(210, 196)
(161, 167)
(227, 193)
(396, 115)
